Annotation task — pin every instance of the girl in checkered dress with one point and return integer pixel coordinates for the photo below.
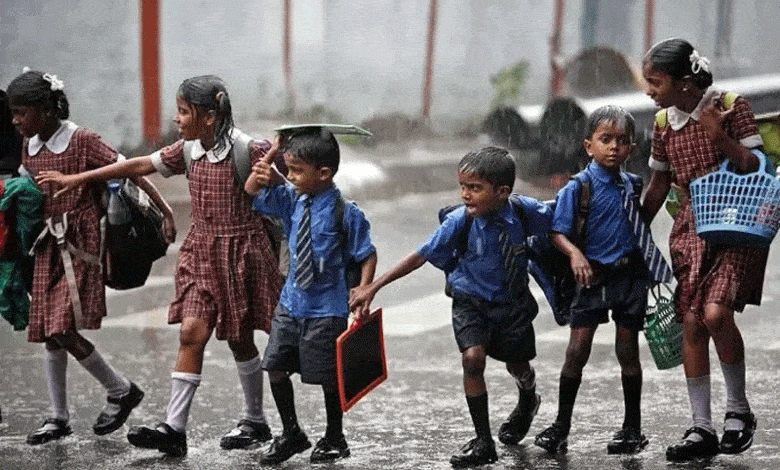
(40, 112)
(714, 281)
(227, 276)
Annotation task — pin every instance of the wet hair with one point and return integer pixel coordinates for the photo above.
(492, 164)
(611, 114)
(32, 89)
(208, 93)
(673, 57)
(314, 145)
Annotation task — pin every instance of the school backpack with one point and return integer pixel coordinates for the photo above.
(6, 233)
(132, 248)
(352, 269)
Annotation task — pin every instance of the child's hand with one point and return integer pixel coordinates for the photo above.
(712, 117)
(66, 183)
(360, 298)
(169, 228)
(580, 266)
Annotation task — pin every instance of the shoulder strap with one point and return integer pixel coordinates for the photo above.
(583, 208)
(242, 162)
(661, 118)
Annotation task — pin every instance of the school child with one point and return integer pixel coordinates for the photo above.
(40, 111)
(610, 271)
(492, 306)
(313, 308)
(714, 281)
(227, 276)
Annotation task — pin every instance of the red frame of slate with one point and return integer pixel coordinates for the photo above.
(376, 315)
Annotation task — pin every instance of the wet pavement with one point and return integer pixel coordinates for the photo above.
(416, 419)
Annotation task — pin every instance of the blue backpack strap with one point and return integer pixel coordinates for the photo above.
(583, 209)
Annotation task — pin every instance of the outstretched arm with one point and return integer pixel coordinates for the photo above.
(361, 296)
(133, 167)
(657, 189)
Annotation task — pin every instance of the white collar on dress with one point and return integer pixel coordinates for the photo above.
(57, 143)
(678, 118)
(198, 151)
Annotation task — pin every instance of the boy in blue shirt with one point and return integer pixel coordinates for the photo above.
(313, 307)
(610, 271)
(492, 306)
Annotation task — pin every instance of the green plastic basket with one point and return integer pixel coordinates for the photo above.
(663, 333)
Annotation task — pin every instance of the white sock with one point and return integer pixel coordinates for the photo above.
(115, 384)
(736, 400)
(699, 396)
(183, 386)
(251, 376)
(55, 366)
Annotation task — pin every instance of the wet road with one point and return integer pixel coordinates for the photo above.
(415, 420)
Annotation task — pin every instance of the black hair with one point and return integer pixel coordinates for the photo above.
(611, 114)
(492, 164)
(208, 92)
(673, 57)
(32, 88)
(314, 145)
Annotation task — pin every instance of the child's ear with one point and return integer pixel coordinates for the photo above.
(504, 191)
(325, 173)
(587, 144)
(210, 118)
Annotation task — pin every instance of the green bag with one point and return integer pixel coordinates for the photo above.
(663, 333)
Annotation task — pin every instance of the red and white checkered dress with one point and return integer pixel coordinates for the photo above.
(728, 275)
(227, 273)
(51, 310)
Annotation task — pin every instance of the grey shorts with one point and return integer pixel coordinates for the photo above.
(505, 330)
(304, 345)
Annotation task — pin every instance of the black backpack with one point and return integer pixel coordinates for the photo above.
(352, 268)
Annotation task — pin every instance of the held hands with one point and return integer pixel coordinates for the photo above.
(264, 172)
(66, 183)
(360, 298)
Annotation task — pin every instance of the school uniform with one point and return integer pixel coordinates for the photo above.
(706, 273)
(71, 149)
(621, 276)
(485, 310)
(308, 321)
(227, 273)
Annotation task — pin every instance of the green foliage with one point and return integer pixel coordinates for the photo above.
(509, 84)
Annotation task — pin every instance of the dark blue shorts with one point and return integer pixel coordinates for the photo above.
(622, 290)
(304, 345)
(505, 330)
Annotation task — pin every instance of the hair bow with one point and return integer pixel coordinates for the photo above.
(699, 63)
(56, 83)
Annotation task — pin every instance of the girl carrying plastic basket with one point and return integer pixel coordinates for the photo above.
(714, 281)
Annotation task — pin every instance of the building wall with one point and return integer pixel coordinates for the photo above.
(357, 58)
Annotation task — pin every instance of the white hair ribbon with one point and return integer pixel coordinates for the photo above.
(699, 63)
(26, 69)
(56, 83)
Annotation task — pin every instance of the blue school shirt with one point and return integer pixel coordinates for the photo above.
(480, 271)
(609, 235)
(328, 294)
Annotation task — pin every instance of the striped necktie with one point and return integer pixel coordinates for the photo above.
(508, 256)
(304, 269)
(656, 264)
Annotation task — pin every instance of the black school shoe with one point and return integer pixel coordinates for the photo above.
(514, 429)
(45, 434)
(328, 449)
(689, 450)
(161, 437)
(245, 434)
(627, 441)
(285, 446)
(107, 423)
(735, 442)
(553, 439)
(476, 452)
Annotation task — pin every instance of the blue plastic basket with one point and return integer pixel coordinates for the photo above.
(737, 209)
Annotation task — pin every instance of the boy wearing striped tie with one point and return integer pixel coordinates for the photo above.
(313, 308)
(482, 247)
(611, 271)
